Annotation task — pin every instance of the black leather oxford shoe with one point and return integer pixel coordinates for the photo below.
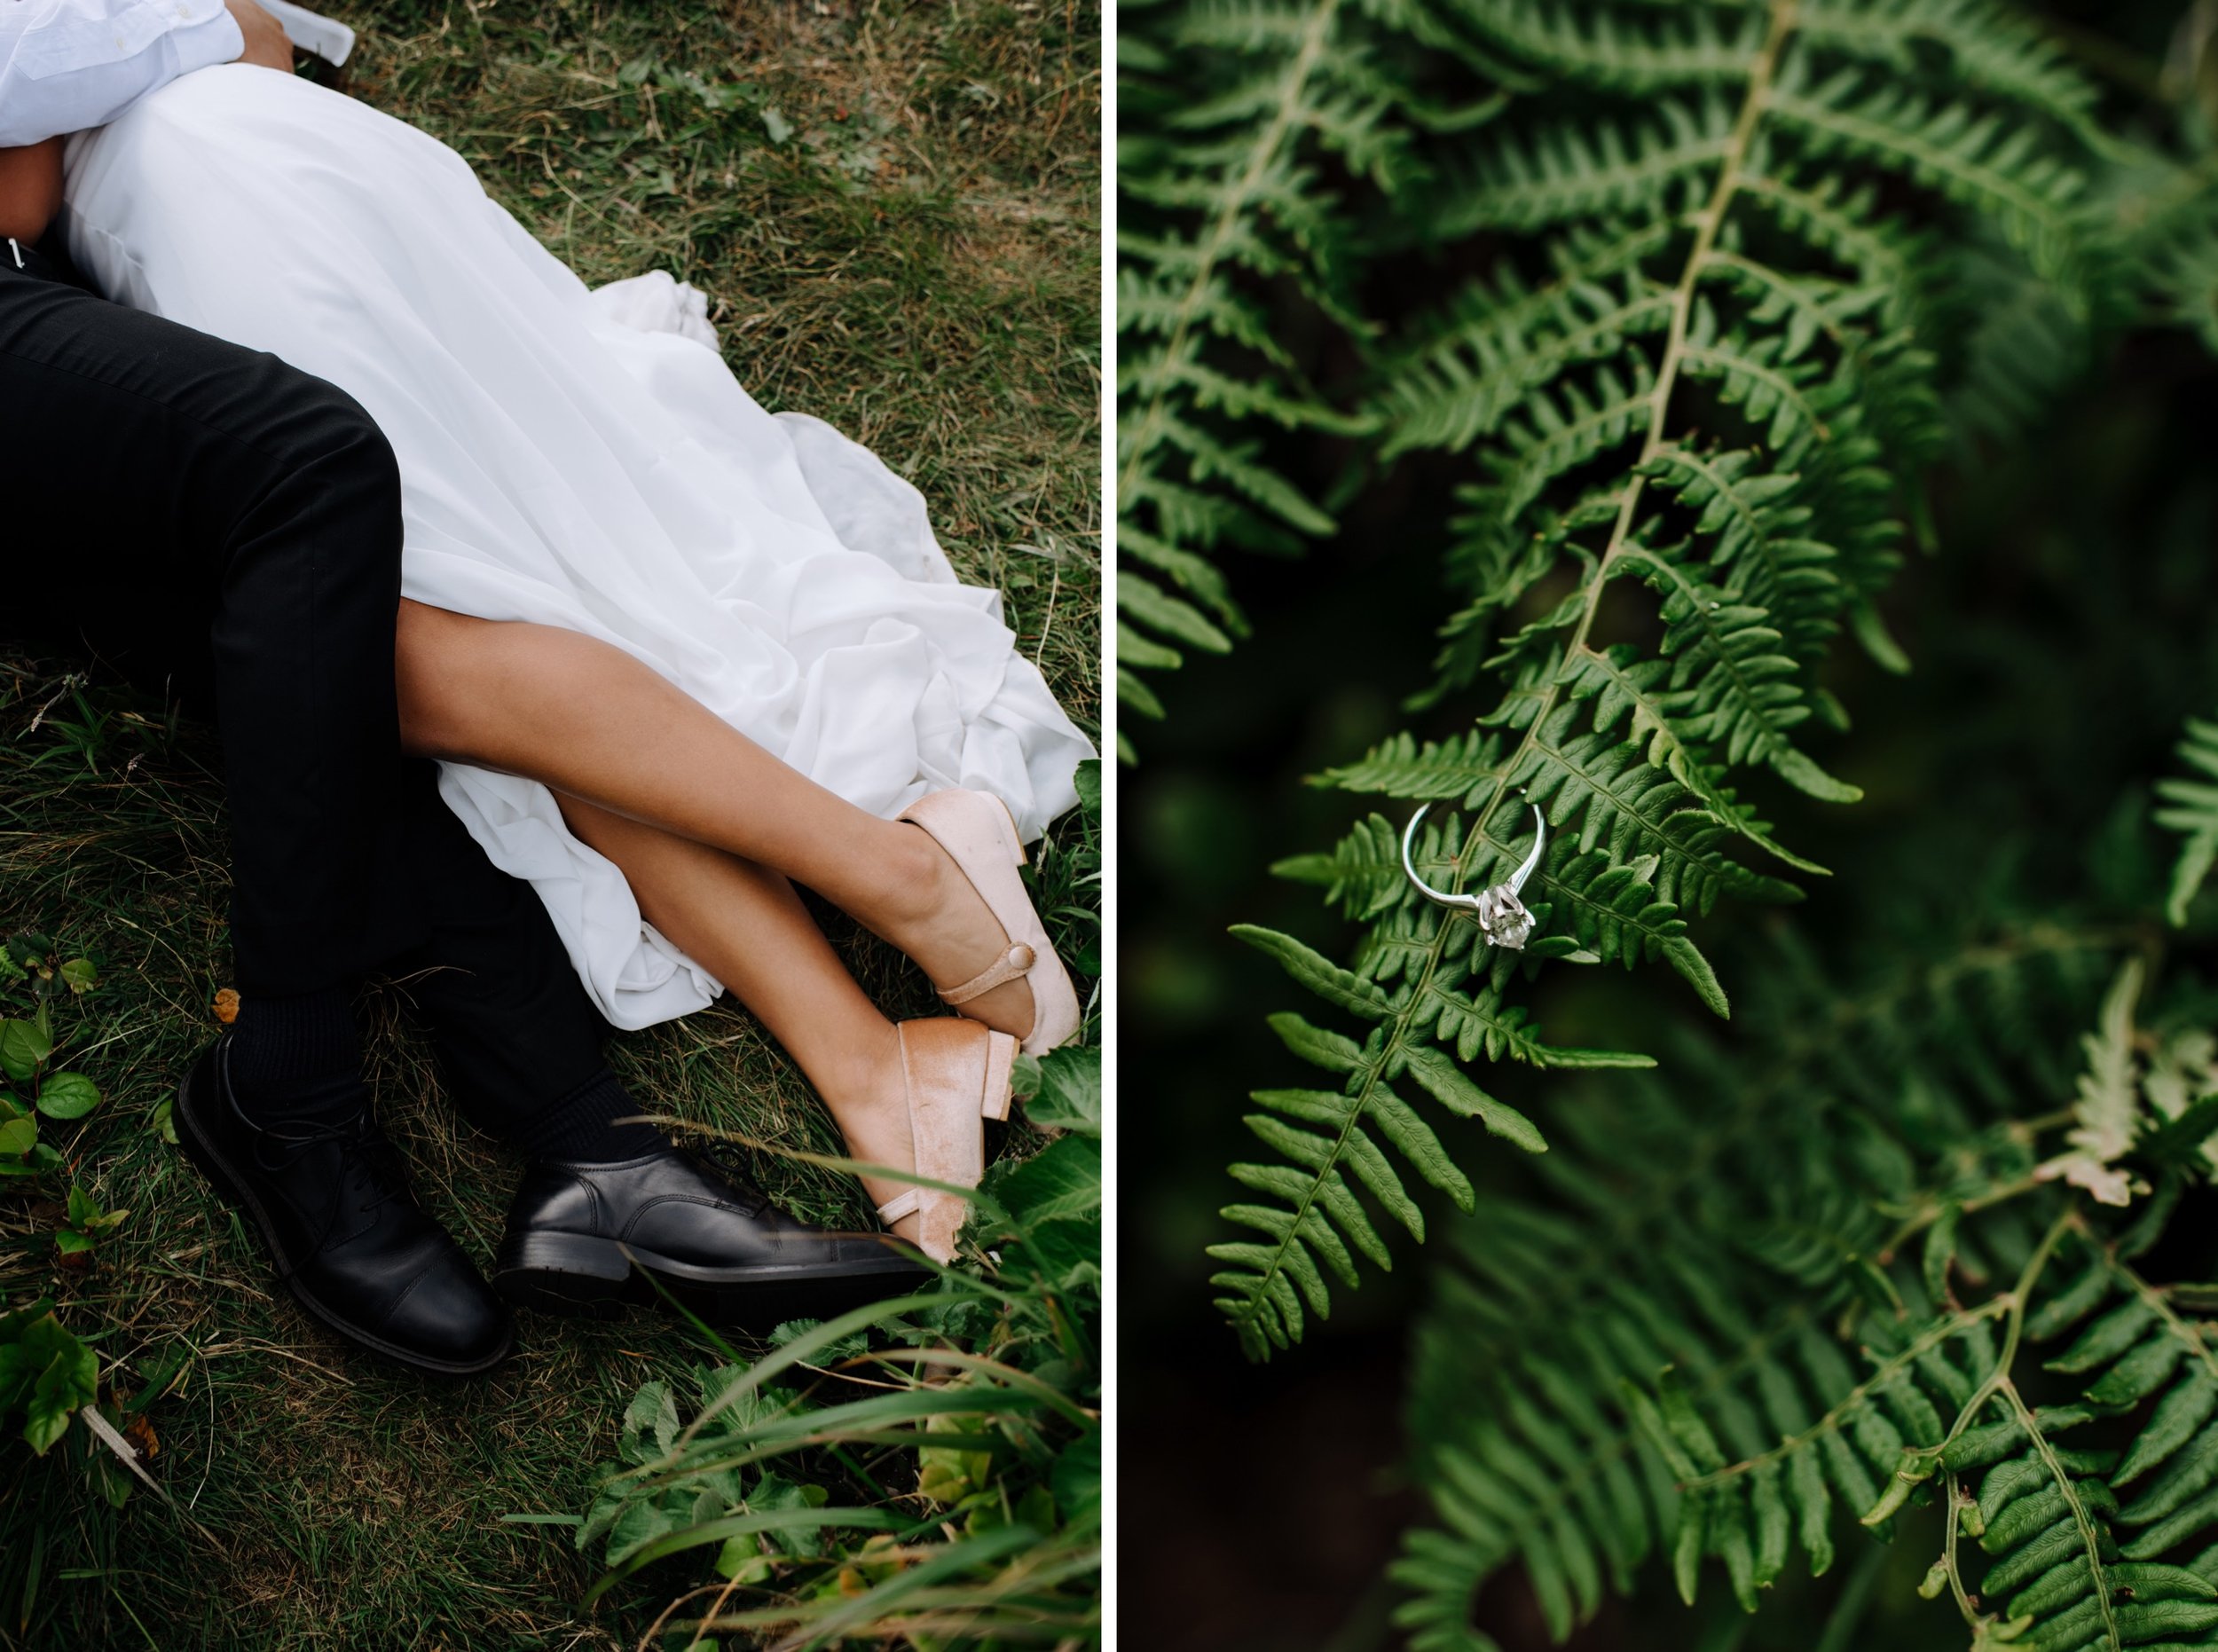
(332, 1203)
(694, 1222)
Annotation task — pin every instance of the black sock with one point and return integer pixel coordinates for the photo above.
(578, 1129)
(295, 1057)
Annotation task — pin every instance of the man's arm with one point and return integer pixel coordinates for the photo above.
(66, 64)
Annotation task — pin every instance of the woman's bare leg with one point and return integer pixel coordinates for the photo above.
(592, 722)
(747, 928)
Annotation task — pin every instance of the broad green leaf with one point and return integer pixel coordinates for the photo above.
(67, 1096)
(1069, 1096)
(24, 1047)
(1059, 1183)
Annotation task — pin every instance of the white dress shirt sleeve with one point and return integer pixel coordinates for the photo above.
(66, 65)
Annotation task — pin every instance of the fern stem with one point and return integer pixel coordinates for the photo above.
(1956, 1501)
(1933, 1337)
(1999, 1384)
(1743, 133)
(2021, 1295)
(2090, 1534)
(2014, 1326)
(1927, 1213)
(1735, 153)
(1711, 219)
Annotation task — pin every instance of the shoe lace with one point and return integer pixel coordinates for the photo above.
(726, 1161)
(370, 1171)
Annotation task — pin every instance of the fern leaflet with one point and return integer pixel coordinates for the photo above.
(2192, 809)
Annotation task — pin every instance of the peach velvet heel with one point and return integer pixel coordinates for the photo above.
(957, 1075)
(980, 835)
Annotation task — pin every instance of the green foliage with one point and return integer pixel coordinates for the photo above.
(85, 1223)
(2193, 811)
(1220, 193)
(2188, 284)
(1729, 1225)
(929, 1465)
(45, 1374)
(1738, 269)
(32, 973)
(1886, 1257)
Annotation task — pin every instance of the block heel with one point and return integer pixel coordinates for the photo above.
(568, 1273)
(956, 1074)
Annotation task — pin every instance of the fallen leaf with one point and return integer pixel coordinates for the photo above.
(140, 1433)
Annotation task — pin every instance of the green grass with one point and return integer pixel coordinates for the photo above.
(894, 209)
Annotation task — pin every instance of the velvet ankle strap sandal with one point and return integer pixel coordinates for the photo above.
(980, 835)
(957, 1076)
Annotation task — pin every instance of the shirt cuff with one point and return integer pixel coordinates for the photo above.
(215, 39)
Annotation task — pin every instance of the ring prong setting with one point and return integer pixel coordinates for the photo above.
(1503, 918)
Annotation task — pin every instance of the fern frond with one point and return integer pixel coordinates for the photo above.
(1363, 873)
(1464, 382)
(1787, 402)
(1754, 532)
(1992, 48)
(1745, 693)
(1224, 194)
(1465, 768)
(2049, 1517)
(2107, 1110)
(1316, 1222)
(2193, 810)
(1585, 171)
(1840, 220)
(1621, 684)
(1755, 1224)
(1986, 161)
(1696, 382)
(1620, 54)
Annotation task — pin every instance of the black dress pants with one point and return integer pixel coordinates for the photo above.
(207, 516)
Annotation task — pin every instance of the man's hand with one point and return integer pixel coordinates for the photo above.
(266, 43)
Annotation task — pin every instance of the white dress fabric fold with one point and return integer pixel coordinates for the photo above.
(578, 459)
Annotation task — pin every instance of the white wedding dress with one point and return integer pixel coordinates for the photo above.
(580, 458)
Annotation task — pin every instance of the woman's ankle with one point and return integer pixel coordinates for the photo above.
(864, 1078)
(908, 887)
(869, 1101)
